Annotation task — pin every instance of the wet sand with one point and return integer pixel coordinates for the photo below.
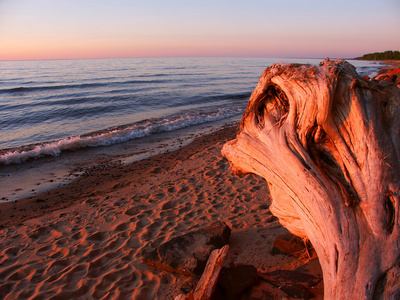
(388, 65)
(85, 240)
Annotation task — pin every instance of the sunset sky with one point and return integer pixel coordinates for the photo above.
(58, 29)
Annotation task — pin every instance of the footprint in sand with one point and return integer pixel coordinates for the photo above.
(114, 243)
(100, 266)
(151, 231)
(7, 272)
(98, 237)
(71, 281)
(10, 253)
(171, 189)
(45, 250)
(135, 210)
(133, 242)
(143, 221)
(168, 205)
(75, 276)
(57, 266)
(108, 280)
(23, 273)
(60, 253)
(39, 232)
(255, 188)
(125, 226)
(78, 235)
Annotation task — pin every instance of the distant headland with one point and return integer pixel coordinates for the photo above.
(387, 55)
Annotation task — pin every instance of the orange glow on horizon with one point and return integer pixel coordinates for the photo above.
(57, 49)
(49, 29)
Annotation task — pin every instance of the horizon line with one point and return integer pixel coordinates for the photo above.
(156, 57)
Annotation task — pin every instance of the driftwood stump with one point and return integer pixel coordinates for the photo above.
(327, 141)
(208, 281)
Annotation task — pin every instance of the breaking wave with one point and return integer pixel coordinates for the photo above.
(118, 134)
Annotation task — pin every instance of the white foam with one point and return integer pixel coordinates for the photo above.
(119, 134)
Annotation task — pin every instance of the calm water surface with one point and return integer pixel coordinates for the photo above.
(50, 106)
(97, 112)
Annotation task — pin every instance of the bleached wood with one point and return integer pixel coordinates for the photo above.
(327, 142)
(208, 281)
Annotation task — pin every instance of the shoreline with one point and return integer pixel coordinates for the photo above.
(106, 174)
(389, 65)
(56, 171)
(86, 239)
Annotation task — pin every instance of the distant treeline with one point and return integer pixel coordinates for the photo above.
(387, 55)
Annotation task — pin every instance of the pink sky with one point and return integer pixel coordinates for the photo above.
(56, 29)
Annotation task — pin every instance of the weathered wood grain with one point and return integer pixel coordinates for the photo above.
(327, 141)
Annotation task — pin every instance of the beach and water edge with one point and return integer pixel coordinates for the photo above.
(76, 225)
(86, 239)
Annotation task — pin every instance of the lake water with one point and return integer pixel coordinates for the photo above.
(48, 108)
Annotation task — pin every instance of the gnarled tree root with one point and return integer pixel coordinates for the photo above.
(327, 141)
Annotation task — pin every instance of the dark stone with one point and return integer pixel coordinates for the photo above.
(292, 245)
(296, 283)
(389, 76)
(271, 219)
(236, 280)
(189, 285)
(296, 290)
(168, 205)
(394, 72)
(188, 254)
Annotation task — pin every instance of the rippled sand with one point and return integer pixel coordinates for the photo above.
(85, 240)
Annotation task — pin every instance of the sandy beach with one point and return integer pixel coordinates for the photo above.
(85, 240)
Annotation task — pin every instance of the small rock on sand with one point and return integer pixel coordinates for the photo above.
(188, 254)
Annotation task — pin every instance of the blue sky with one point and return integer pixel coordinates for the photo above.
(40, 29)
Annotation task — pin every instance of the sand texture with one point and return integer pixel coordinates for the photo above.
(85, 240)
